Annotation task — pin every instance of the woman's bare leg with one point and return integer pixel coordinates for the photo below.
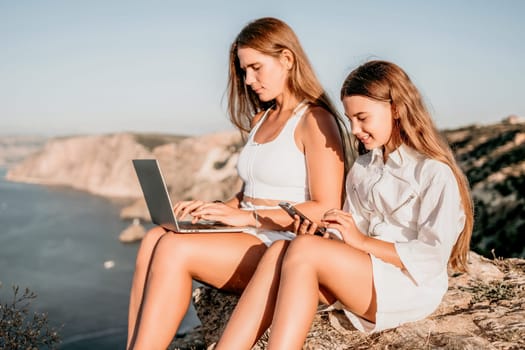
(254, 311)
(147, 247)
(225, 261)
(310, 263)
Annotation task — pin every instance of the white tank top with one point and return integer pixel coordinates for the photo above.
(275, 169)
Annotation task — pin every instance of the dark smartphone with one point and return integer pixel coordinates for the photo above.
(292, 211)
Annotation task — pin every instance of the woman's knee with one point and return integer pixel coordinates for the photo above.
(175, 248)
(275, 252)
(147, 246)
(277, 247)
(301, 250)
(151, 237)
(302, 242)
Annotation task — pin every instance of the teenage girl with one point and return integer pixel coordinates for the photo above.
(295, 144)
(407, 215)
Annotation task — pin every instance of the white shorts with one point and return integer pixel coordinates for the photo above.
(266, 236)
(399, 299)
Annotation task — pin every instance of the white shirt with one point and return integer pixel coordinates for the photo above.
(412, 201)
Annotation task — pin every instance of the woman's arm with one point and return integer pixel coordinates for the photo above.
(317, 135)
(235, 201)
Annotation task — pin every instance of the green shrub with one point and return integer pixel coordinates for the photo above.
(21, 330)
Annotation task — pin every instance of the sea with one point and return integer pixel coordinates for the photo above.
(63, 245)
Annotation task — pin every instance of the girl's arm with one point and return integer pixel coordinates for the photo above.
(440, 219)
(383, 250)
(345, 224)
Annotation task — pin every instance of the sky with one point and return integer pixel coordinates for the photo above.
(102, 66)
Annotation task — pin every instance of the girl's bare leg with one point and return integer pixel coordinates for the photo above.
(254, 311)
(225, 261)
(311, 263)
(147, 246)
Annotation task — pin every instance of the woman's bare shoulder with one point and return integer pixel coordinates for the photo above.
(317, 118)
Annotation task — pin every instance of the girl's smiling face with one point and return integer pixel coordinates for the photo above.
(371, 121)
(265, 75)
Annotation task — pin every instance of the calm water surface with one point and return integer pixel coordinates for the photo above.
(55, 241)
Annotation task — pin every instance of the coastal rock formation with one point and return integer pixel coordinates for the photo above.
(194, 167)
(98, 164)
(484, 309)
(134, 232)
(202, 166)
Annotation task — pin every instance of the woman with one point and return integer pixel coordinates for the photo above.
(407, 215)
(295, 141)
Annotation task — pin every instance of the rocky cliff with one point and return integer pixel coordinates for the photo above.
(101, 164)
(492, 156)
(97, 164)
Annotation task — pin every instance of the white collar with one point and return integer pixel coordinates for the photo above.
(397, 157)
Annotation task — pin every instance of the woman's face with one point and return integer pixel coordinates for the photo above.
(265, 75)
(371, 121)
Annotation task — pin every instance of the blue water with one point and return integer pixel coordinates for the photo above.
(55, 241)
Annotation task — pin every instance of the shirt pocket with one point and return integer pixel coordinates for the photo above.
(362, 201)
(401, 207)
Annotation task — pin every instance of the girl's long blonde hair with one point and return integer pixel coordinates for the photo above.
(385, 81)
(271, 36)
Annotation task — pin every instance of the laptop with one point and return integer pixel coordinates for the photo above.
(159, 203)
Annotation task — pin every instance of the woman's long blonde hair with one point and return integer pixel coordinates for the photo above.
(385, 81)
(271, 36)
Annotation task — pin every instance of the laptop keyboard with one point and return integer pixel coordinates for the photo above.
(200, 225)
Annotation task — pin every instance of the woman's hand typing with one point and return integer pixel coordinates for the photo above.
(200, 210)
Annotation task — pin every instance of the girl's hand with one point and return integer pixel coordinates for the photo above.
(344, 223)
(223, 213)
